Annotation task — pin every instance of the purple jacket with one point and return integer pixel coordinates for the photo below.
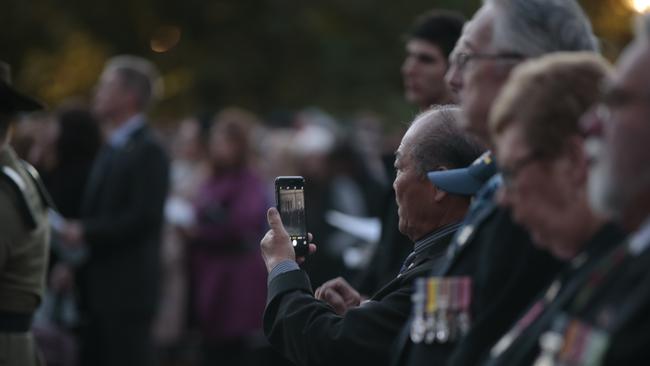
(227, 274)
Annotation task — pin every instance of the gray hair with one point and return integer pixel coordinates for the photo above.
(138, 75)
(536, 27)
(442, 142)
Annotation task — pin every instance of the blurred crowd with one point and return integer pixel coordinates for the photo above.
(221, 174)
(490, 230)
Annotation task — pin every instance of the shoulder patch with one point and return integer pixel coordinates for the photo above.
(16, 182)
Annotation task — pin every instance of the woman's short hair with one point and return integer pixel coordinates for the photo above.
(547, 96)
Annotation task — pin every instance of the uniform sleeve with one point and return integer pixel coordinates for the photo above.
(310, 333)
(11, 225)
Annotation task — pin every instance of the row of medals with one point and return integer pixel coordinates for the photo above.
(441, 309)
(572, 342)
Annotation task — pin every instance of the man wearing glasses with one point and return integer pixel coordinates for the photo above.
(505, 269)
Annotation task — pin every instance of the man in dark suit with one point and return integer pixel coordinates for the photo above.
(121, 220)
(340, 330)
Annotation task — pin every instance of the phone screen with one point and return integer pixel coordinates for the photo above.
(291, 204)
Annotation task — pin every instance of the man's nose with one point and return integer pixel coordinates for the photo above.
(453, 78)
(408, 66)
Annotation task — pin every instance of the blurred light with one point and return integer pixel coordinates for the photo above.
(165, 38)
(640, 6)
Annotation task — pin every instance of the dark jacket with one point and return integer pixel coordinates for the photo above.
(122, 216)
(611, 310)
(308, 332)
(520, 345)
(506, 272)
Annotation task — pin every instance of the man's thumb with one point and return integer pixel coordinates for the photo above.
(273, 217)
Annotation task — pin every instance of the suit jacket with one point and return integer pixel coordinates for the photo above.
(308, 332)
(122, 215)
(506, 272)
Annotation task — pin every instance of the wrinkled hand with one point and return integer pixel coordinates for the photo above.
(72, 234)
(276, 244)
(339, 295)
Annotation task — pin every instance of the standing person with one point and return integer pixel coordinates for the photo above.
(24, 236)
(610, 312)
(505, 268)
(430, 40)
(121, 220)
(333, 327)
(429, 43)
(227, 276)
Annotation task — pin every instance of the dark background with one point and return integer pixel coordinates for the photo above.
(271, 56)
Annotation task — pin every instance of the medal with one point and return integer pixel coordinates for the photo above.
(442, 325)
(465, 300)
(454, 307)
(418, 298)
(432, 304)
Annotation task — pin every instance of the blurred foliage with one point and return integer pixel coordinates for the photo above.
(270, 56)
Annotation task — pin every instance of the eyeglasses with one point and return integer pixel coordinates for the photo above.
(461, 59)
(509, 174)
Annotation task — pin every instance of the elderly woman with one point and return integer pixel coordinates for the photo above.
(540, 150)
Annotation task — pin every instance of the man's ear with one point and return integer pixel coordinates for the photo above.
(440, 194)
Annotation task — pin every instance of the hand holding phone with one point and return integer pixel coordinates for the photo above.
(290, 201)
(276, 246)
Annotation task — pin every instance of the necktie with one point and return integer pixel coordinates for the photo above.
(407, 263)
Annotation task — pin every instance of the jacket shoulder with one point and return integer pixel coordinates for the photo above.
(43, 193)
(14, 188)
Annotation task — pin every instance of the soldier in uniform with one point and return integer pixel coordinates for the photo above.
(24, 236)
(506, 270)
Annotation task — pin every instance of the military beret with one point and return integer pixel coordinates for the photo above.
(11, 101)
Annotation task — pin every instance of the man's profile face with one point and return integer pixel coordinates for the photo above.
(414, 194)
(423, 72)
(620, 171)
(110, 95)
(454, 75)
(482, 78)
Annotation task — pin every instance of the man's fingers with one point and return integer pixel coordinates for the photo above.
(342, 286)
(334, 300)
(275, 222)
(312, 250)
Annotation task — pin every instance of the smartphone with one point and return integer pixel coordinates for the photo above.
(290, 201)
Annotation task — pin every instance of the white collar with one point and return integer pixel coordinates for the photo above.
(121, 135)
